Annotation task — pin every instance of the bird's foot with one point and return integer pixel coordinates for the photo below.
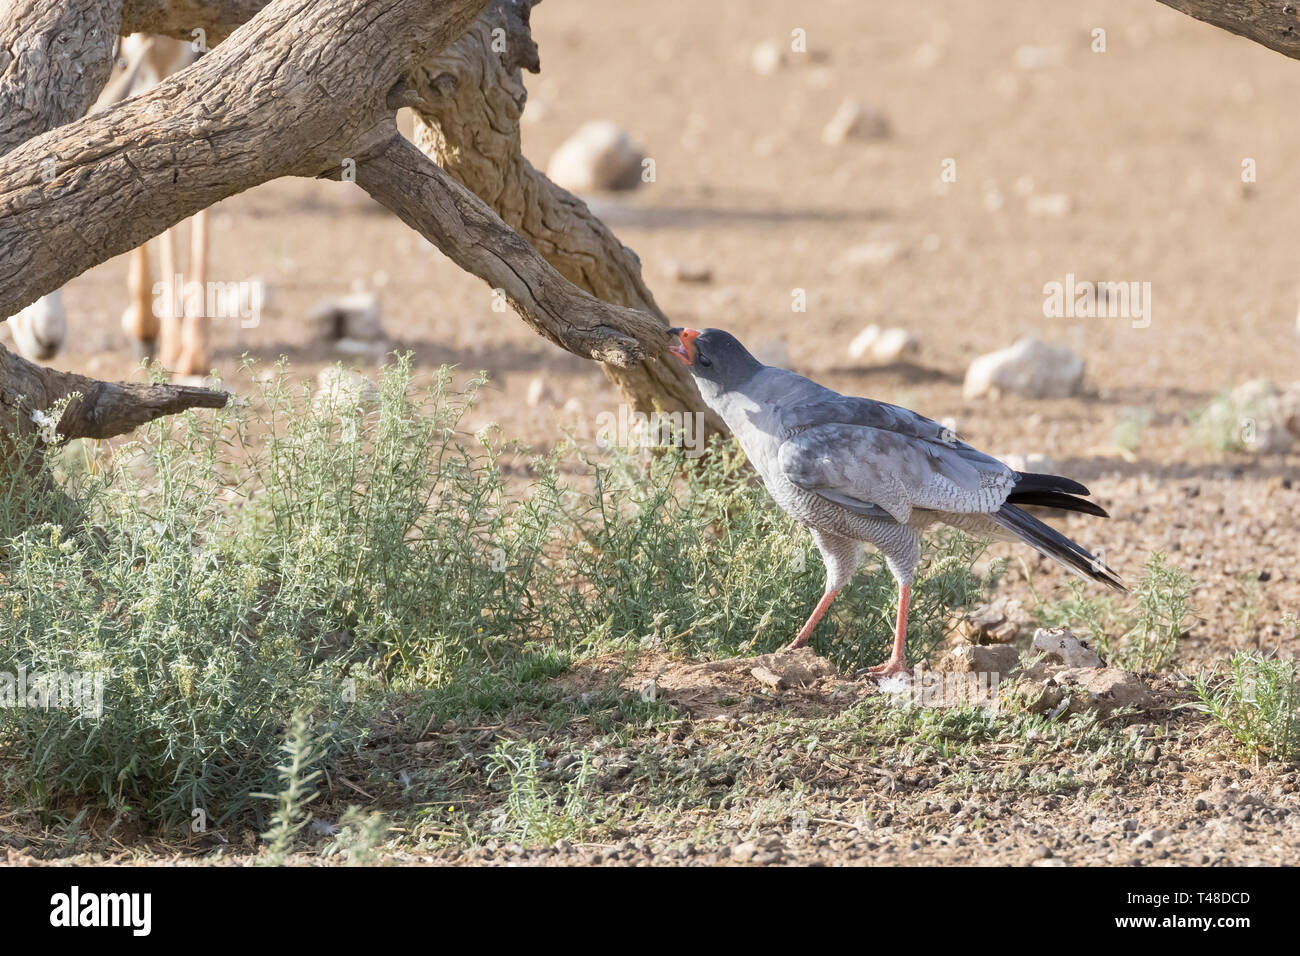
(797, 643)
(894, 667)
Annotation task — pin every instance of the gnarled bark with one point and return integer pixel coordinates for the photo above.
(54, 60)
(280, 97)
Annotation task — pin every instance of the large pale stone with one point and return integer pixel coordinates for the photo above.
(598, 157)
(1030, 369)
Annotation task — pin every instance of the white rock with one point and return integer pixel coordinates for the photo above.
(1030, 368)
(1049, 204)
(855, 121)
(879, 253)
(538, 392)
(598, 157)
(40, 329)
(767, 58)
(369, 347)
(861, 345)
(1037, 57)
(1033, 463)
(883, 345)
(344, 386)
(355, 316)
(1269, 416)
(1060, 645)
(894, 345)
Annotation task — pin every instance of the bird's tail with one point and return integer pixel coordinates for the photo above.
(1053, 544)
(1053, 491)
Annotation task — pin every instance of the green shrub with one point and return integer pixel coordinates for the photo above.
(225, 572)
(1258, 702)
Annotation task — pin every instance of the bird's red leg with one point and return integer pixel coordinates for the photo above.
(818, 612)
(897, 663)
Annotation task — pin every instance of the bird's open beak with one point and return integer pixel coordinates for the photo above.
(686, 350)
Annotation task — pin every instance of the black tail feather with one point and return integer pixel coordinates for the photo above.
(1056, 499)
(1058, 547)
(1030, 481)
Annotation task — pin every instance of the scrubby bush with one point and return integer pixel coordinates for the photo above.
(303, 554)
(1258, 702)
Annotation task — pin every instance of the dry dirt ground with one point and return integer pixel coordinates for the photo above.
(732, 767)
(1146, 139)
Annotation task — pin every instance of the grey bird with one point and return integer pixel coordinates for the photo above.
(856, 471)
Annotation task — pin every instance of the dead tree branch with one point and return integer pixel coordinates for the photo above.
(104, 409)
(1271, 23)
(447, 214)
(280, 97)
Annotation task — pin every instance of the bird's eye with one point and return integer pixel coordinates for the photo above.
(705, 361)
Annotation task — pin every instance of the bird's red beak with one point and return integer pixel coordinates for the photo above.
(686, 350)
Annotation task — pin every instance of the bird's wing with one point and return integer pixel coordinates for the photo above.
(833, 408)
(869, 469)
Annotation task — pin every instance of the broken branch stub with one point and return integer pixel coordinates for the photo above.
(104, 409)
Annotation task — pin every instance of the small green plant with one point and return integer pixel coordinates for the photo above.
(302, 752)
(359, 838)
(1258, 702)
(1163, 596)
(1130, 430)
(538, 810)
(1141, 637)
(1229, 422)
(1247, 604)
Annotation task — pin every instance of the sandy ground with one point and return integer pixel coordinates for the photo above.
(1147, 140)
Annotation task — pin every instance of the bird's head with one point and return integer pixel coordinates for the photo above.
(714, 356)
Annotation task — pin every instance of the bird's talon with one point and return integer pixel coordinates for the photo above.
(891, 668)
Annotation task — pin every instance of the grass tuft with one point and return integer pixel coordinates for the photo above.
(1258, 702)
